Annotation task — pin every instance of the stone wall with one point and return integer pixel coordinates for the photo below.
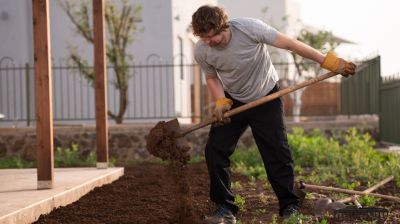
(128, 142)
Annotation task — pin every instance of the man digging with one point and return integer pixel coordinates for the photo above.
(234, 56)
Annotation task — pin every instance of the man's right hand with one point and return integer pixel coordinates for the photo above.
(221, 106)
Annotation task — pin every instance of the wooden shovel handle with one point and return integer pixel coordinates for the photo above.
(258, 102)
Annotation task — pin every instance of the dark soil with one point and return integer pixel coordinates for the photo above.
(145, 194)
(175, 193)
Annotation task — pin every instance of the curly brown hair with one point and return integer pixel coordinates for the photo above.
(209, 18)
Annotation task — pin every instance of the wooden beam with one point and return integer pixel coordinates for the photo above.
(100, 84)
(197, 94)
(44, 115)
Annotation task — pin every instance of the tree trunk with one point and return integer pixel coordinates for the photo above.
(296, 97)
(123, 101)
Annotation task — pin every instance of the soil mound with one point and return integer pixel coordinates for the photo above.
(162, 143)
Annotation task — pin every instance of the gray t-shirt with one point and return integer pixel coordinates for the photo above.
(244, 65)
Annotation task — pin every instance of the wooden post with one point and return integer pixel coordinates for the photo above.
(44, 115)
(100, 84)
(197, 94)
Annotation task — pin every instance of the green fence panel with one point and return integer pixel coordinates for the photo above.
(389, 117)
(360, 93)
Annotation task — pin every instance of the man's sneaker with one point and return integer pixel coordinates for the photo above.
(289, 210)
(221, 216)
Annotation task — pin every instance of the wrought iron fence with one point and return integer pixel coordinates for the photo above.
(156, 90)
(152, 92)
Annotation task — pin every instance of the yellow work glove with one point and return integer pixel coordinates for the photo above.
(221, 106)
(338, 65)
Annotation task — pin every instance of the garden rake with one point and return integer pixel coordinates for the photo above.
(342, 212)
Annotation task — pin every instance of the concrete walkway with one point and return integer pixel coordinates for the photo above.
(21, 202)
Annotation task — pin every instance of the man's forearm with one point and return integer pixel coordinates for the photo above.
(308, 52)
(215, 87)
(285, 42)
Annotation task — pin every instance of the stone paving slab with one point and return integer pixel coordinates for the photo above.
(21, 202)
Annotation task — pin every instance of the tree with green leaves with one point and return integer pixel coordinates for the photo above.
(306, 69)
(323, 41)
(122, 25)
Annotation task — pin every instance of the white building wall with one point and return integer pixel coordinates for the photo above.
(182, 40)
(165, 26)
(16, 31)
(15, 50)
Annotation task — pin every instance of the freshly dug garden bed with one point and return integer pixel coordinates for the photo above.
(147, 194)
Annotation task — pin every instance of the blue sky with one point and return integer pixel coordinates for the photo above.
(373, 24)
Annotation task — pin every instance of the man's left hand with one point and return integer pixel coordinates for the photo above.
(338, 65)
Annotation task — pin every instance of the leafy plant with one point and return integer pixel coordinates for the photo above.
(240, 202)
(369, 222)
(237, 186)
(297, 218)
(348, 160)
(264, 198)
(15, 162)
(323, 221)
(63, 157)
(260, 211)
(274, 219)
(248, 162)
(368, 200)
(69, 157)
(349, 165)
(196, 159)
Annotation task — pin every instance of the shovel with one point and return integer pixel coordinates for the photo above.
(162, 140)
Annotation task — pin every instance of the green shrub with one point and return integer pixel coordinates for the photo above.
(67, 157)
(70, 157)
(353, 163)
(9, 162)
(348, 162)
(248, 162)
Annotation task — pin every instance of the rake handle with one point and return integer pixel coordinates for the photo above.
(369, 190)
(346, 191)
(258, 102)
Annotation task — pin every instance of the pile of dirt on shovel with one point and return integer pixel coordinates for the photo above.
(162, 143)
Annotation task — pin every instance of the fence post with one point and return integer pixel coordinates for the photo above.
(28, 100)
(197, 94)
